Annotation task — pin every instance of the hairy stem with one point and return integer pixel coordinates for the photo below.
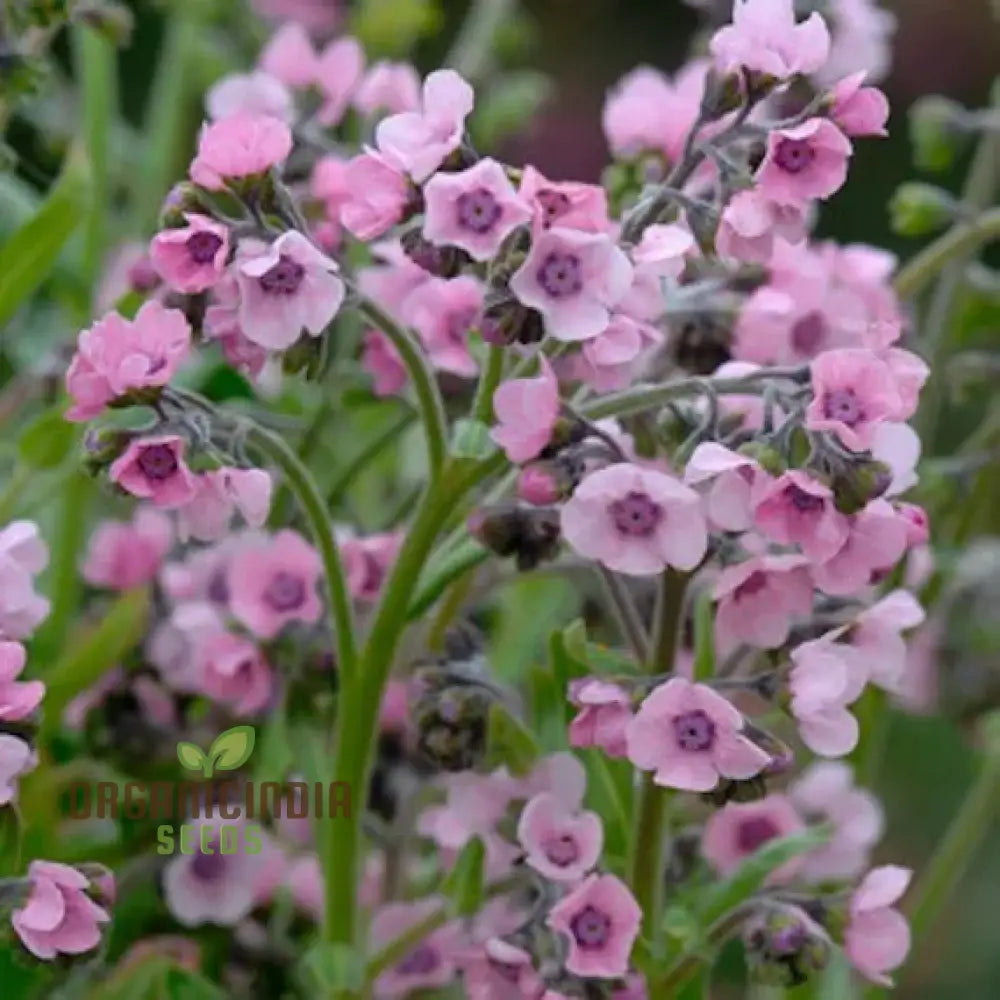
(626, 614)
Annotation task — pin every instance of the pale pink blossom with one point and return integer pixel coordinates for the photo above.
(562, 774)
(750, 223)
(475, 209)
(286, 287)
(861, 36)
(613, 358)
(526, 410)
(23, 555)
(444, 311)
(760, 598)
(765, 38)
(635, 520)
(877, 634)
(797, 509)
(153, 468)
(875, 542)
(728, 482)
(219, 495)
(116, 357)
(566, 204)
(381, 359)
(222, 323)
(561, 844)
(18, 699)
(691, 736)
(600, 922)
(242, 145)
(338, 73)
(289, 56)
(604, 712)
(877, 938)
(377, 194)
(233, 670)
(59, 917)
(661, 254)
(918, 527)
(740, 829)
(193, 257)
(804, 162)
(898, 445)
(859, 110)
(328, 184)
(909, 372)
(16, 759)
(388, 88)
(573, 279)
(474, 805)
(367, 561)
(497, 970)
(126, 554)
(255, 93)
(421, 140)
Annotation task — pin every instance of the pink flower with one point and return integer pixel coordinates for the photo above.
(826, 677)
(497, 970)
(898, 445)
(117, 356)
(605, 711)
(222, 323)
(154, 469)
(18, 699)
(23, 555)
(421, 140)
(431, 963)
(600, 920)
(527, 410)
(573, 279)
(799, 510)
(877, 633)
(377, 194)
(877, 938)
(612, 359)
(367, 561)
(289, 56)
(740, 829)
(192, 258)
(750, 223)
(383, 362)
(284, 288)
(728, 481)
(473, 807)
(475, 209)
(242, 145)
(16, 759)
(662, 253)
(219, 494)
(859, 110)
(646, 110)
(338, 73)
(759, 598)
(825, 793)
(853, 392)
(126, 554)
(232, 670)
(804, 162)
(635, 520)
(255, 93)
(59, 917)
(764, 38)
(566, 204)
(910, 372)
(876, 541)
(862, 35)
(209, 887)
(561, 844)
(272, 582)
(444, 311)
(691, 736)
(388, 88)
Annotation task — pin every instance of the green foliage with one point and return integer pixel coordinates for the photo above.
(510, 742)
(465, 883)
(329, 967)
(47, 440)
(513, 99)
(393, 27)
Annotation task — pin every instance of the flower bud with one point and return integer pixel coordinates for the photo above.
(784, 947)
(701, 342)
(938, 131)
(112, 20)
(530, 535)
(307, 355)
(182, 197)
(538, 484)
(918, 527)
(442, 262)
(506, 321)
(858, 483)
(102, 445)
(921, 209)
(102, 883)
(723, 93)
(451, 725)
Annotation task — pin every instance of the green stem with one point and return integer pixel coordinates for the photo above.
(471, 54)
(429, 399)
(975, 818)
(958, 243)
(482, 406)
(302, 484)
(626, 614)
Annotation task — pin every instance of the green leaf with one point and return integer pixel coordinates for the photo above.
(465, 882)
(47, 440)
(232, 748)
(191, 756)
(182, 984)
(471, 439)
(30, 254)
(508, 106)
(510, 742)
(331, 968)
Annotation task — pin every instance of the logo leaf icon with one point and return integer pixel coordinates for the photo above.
(191, 756)
(232, 748)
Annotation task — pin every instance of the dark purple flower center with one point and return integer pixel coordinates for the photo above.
(843, 405)
(590, 928)
(422, 960)
(561, 274)
(802, 501)
(754, 833)
(554, 204)
(218, 587)
(208, 867)
(808, 334)
(561, 850)
(158, 461)
(203, 246)
(478, 210)
(794, 155)
(636, 514)
(694, 730)
(373, 574)
(284, 278)
(285, 592)
(752, 585)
